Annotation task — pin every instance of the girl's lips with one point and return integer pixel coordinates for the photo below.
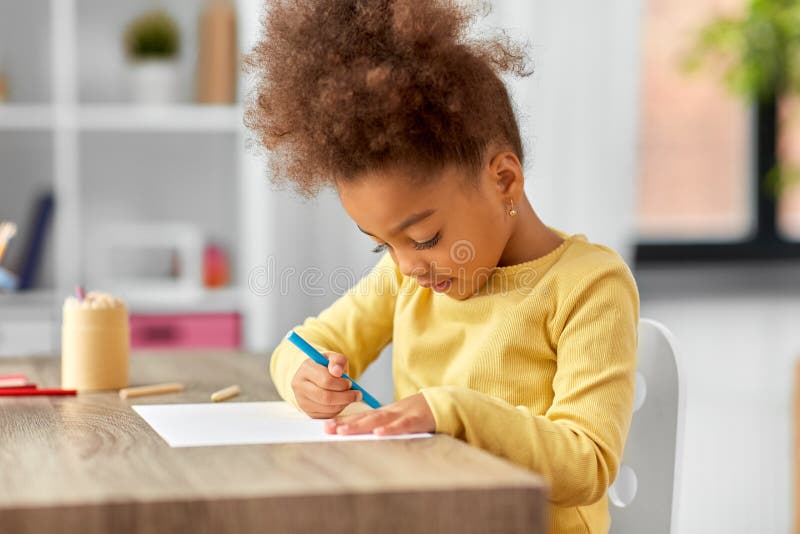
(443, 286)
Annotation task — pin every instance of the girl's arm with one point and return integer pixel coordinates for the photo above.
(358, 325)
(577, 444)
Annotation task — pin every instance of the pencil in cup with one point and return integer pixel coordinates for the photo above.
(7, 231)
(317, 356)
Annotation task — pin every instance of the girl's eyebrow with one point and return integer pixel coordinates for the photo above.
(413, 219)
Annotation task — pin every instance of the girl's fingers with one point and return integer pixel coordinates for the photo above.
(347, 419)
(320, 407)
(365, 423)
(401, 425)
(402, 417)
(324, 395)
(337, 400)
(322, 378)
(337, 363)
(332, 424)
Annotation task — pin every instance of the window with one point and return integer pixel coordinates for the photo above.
(789, 150)
(699, 195)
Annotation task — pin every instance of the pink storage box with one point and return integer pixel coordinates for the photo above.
(190, 331)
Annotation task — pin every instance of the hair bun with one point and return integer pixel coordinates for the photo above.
(420, 26)
(344, 86)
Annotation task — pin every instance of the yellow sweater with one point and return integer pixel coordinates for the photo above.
(538, 367)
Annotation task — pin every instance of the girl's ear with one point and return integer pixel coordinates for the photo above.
(505, 171)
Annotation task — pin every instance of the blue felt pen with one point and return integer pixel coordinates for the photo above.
(315, 355)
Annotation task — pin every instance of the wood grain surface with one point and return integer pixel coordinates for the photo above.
(90, 464)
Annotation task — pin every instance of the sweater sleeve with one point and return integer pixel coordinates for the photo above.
(358, 324)
(577, 444)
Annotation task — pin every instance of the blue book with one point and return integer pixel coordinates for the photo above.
(32, 257)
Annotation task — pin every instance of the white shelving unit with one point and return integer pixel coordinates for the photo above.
(180, 118)
(110, 157)
(25, 117)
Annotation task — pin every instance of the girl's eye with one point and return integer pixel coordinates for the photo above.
(428, 244)
(419, 246)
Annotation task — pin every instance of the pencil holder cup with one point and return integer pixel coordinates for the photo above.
(95, 343)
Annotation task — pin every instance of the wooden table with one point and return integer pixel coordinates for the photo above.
(90, 464)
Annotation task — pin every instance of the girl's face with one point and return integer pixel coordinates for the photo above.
(448, 234)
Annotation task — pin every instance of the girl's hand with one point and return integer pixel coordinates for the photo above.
(406, 416)
(320, 391)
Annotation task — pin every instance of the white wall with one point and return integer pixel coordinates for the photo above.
(579, 112)
(738, 341)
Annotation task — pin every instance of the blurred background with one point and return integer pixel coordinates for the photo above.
(649, 127)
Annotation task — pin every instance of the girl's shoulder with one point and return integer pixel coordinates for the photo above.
(583, 256)
(587, 266)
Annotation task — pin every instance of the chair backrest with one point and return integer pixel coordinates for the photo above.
(641, 497)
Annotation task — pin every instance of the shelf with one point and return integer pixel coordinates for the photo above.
(184, 118)
(189, 117)
(169, 298)
(44, 303)
(25, 117)
(70, 126)
(27, 305)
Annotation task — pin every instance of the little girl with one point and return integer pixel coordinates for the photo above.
(507, 333)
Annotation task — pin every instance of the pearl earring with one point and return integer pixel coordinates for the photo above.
(511, 210)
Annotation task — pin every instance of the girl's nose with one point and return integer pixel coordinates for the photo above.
(411, 265)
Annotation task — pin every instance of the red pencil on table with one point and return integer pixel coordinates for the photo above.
(30, 392)
(18, 385)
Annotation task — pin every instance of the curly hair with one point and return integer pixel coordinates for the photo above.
(347, 86)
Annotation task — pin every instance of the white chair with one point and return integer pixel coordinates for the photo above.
(641, 499)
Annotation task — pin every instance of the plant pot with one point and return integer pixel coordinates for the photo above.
(154, 81)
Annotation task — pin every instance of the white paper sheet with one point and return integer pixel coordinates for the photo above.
(240, 423)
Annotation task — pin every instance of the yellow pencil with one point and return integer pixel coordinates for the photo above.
(227, 393)
(156, 389)
(7, 231)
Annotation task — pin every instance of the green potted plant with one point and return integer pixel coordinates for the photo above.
(152, 43)
(757, 55)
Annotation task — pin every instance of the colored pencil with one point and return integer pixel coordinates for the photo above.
(25, 392)
(320, 358)
(156, 389)
(7, 231)
(21, 386)
(227, 393)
